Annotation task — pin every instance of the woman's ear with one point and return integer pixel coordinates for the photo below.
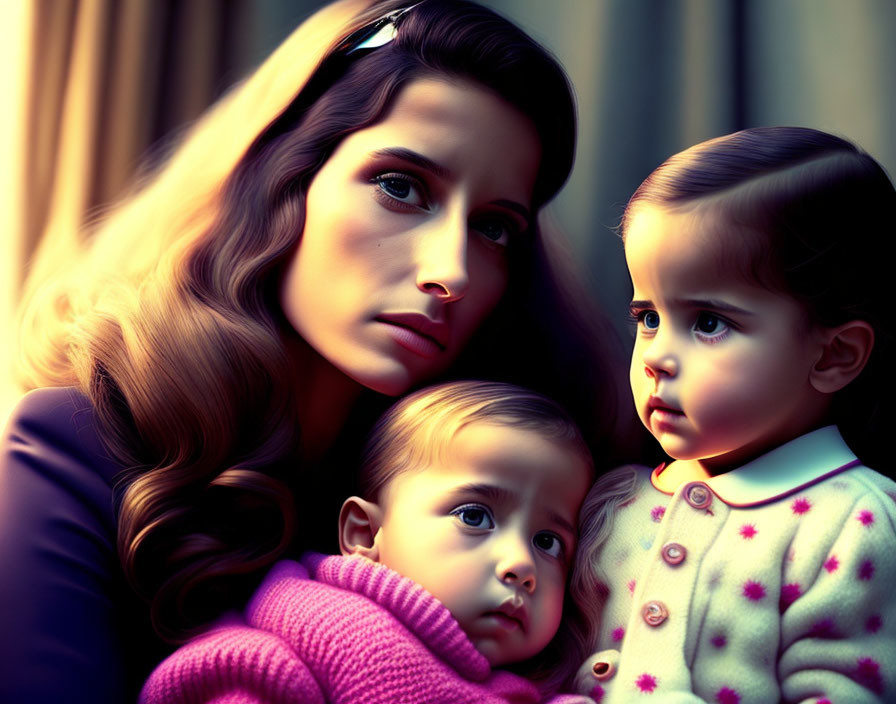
(359, 522)
(845, 351)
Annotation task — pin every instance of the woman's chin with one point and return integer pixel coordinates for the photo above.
(390, 379)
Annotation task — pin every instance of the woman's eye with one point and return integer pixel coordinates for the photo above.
(709, 325)
(548, 543)
(402, 188)
(474, 516)
(496, 230)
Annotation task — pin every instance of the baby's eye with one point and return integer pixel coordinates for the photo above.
(649, 319)
(474, 516)
(402, 188)
(548, 543)
(710, 325)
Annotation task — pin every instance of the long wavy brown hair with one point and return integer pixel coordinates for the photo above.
(169, 319)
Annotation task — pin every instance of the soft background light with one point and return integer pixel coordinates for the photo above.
(91, 86)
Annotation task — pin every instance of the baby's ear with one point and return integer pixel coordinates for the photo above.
(359, 521)
(845, 352)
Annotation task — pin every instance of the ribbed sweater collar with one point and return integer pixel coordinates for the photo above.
(411, 604)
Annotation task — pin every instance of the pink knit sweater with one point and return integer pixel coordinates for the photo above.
(341, 630)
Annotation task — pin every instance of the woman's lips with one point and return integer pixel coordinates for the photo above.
(416, 332)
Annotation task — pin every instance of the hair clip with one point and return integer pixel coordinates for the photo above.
(376, 34)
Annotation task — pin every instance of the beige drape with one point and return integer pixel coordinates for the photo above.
(100, 84)
(109, 79)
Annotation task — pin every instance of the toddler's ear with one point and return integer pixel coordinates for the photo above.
(845, 352)
(359, 521)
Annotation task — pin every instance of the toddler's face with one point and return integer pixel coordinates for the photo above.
(720, 368)
(488, 529)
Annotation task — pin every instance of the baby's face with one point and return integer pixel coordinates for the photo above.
(720, 369)
(489, 530)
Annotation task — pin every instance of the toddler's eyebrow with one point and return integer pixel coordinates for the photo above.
(488, 491)
(709, 303)
(497, 494)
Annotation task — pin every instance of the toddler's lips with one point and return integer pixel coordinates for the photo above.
(512, 613)
(506, 622)
(655, 403)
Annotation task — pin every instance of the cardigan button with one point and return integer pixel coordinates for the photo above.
(674, 554)
(654, 613)
(603, 670)
(698, 495)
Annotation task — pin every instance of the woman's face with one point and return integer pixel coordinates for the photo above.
(407, 226)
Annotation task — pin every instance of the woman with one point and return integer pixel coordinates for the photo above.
(356, 219)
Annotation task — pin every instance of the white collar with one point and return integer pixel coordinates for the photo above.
(785, 470)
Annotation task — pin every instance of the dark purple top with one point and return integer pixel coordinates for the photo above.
(70, 629)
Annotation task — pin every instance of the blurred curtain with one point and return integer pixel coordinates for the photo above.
(100, 84)
(108, 80)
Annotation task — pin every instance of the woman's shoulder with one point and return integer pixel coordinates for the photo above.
(56, 428)
(56, 480)
(54, 409)
(62, 605)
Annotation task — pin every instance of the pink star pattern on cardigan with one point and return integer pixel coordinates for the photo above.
(796, 563)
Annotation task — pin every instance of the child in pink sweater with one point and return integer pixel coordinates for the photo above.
(454, 561)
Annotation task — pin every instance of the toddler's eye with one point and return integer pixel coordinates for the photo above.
(548, 543)
(710, 325)
(650, 319)
(474, 516)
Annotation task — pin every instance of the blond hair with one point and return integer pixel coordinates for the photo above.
(420, 428)
(588, 585)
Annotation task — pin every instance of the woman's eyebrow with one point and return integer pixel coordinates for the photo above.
(515, 207)
(415, 158)
(444, 173)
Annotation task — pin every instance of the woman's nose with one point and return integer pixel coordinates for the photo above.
(516, 565)
(442, 258)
